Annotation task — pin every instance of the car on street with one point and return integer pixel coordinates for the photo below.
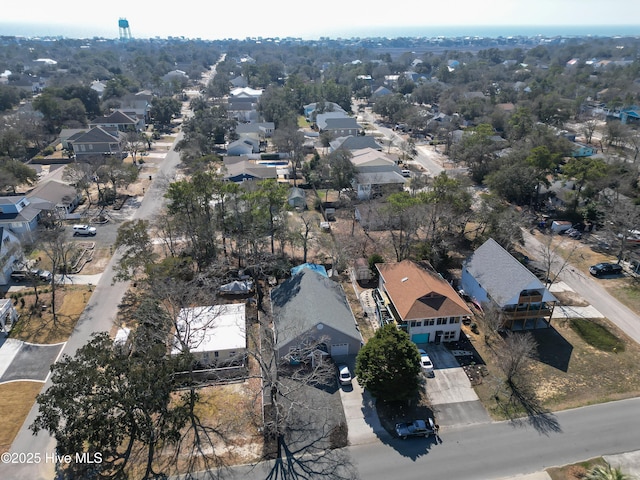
(603, 268)
(344, 375)
(84, 230)
(416, 428)
(426, 363)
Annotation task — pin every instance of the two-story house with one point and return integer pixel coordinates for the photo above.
(10, 253)
(420, 302)
(493, 275)
(18, 215)
(96, 141)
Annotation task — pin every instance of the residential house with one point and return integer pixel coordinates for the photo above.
(96, 141)
(245, 145)
(241, 169)
(262, 129)
(98, 87)
(380, 92)
(175, 75)
(8, 314)
(420, 302)
(341, 127)
(582, 150)
(377, 174)
(312, 110)
(239, 82)
(67, 133)
(18, 215)
(243, 109)
(137, 105)
(55, 195)
(491, 275)
(311, 314)
(10, 254)
(358, 142)
(118, 121)
(216, 335)
(321, 118)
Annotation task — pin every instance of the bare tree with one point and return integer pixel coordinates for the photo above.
(59, 251)
(490, 320)
(553, 260)
(515, 355)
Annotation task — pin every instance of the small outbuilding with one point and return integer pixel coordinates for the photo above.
(297, 198)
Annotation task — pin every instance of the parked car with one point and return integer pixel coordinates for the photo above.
(406, 173)
(42, 275)
(425, 361)
(600, 269)
(84, 230)
(344, 375)
(19, 275)
(417, 428)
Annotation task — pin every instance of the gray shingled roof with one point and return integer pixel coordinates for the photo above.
(306, 299)
(501, 275)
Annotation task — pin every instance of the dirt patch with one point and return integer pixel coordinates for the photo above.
(568, 372)
(575, 471)
(570, 298)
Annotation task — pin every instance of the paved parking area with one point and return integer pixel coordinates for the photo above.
(27, 361)
(452, 397)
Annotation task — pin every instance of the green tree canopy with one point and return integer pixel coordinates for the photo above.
(389, 365)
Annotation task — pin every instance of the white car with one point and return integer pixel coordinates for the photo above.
(344, 375)
(425, 361)
(84, 230)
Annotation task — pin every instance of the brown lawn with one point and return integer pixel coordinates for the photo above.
(17, 400)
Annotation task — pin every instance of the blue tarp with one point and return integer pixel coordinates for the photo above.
(311, 266)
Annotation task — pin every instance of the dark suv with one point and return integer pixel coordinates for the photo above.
(600, 269)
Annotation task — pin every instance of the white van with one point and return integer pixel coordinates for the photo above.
(84, 230)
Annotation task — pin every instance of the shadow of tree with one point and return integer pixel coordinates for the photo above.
(523, 399)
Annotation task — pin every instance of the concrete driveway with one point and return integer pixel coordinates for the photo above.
(452, 397)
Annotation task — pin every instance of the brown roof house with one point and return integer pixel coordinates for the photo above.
(420, 302)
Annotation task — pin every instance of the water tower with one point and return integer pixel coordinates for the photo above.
(125, 32)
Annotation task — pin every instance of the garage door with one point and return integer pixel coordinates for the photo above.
(338, 349)
(420, 338)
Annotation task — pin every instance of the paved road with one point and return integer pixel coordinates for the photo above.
(592, 290)
(499, 450)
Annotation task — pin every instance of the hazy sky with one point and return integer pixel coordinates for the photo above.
(307, 19)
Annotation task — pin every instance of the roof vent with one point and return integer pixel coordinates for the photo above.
(404, 279)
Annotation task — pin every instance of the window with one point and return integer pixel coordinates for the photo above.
(441, 321)
(416, 323)
(429, 322)
(232, 353)
(454, 320)
(449, 336)
(216, 354)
